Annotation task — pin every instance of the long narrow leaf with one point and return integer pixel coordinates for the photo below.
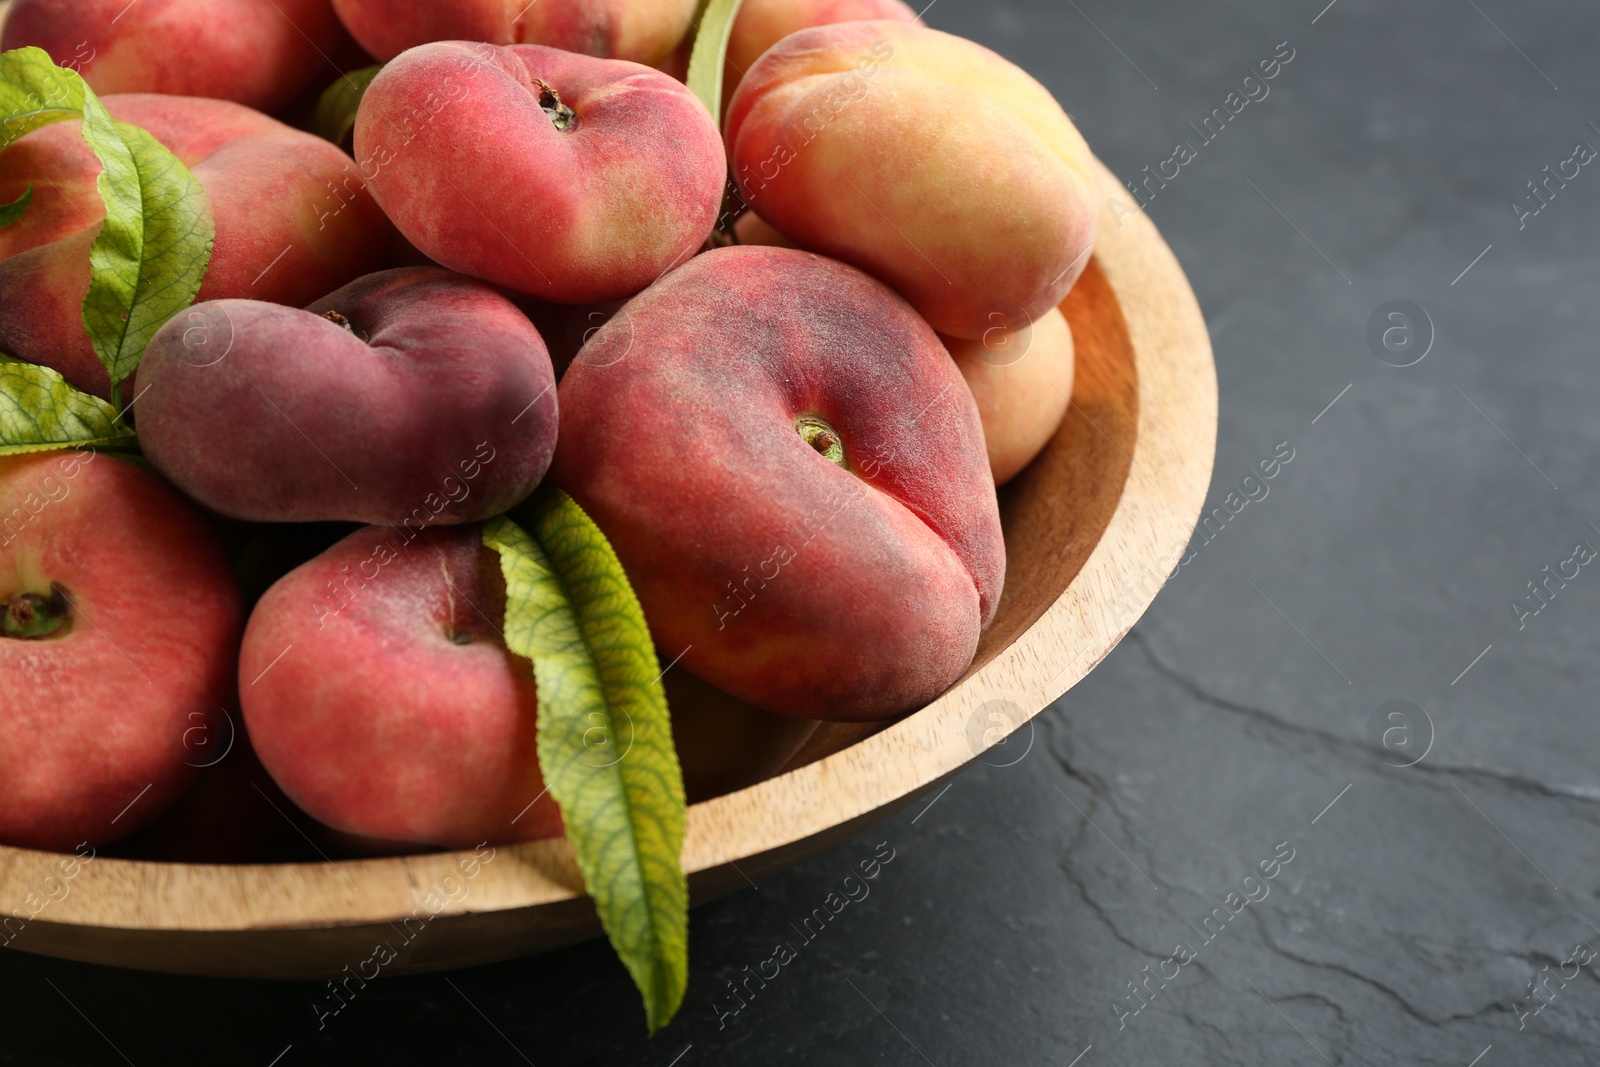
(605, 740)
(709, 54)
(337, 106)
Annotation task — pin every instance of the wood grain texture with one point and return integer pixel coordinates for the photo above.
(1093, 528)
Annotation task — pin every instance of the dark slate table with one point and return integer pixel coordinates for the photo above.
(1102, 900)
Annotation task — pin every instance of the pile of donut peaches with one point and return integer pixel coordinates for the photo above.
(781, 360)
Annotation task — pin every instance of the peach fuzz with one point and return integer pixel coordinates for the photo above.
(789, 467)
(643, 31)
(290, 226)
(413, 396)
(558, 175)
(1022, 382)
(761, 24)
(984, 211)
(254, 52)
(383, 700)
(97, 712)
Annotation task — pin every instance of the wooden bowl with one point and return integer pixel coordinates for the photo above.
(1093, 527)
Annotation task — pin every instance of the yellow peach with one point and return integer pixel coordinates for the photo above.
(763, 23)
(926, 160)
(1022, 381)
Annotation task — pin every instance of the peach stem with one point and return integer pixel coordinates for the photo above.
(29, 615)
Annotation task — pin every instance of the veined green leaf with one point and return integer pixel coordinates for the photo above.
(153, 249)
(35, 92)
(40, 412)
(11, 212)
(709, 54)
(151, 254)
(605, 741)
(336, 108)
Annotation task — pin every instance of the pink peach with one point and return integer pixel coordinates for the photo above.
(643, 31)
(119, 640)
(789, 467)
(254, 52)
(558, 175)
(383, 700)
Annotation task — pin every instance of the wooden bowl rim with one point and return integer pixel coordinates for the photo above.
(1166, 484)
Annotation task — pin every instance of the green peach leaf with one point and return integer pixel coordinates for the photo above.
(154, 246)
(710, 52)
(151, 254)
(11, 212)
(40, 412)
(34, 92)
(605, 740)
(336, 107)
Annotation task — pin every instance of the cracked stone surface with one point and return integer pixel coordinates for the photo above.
(1033, 908)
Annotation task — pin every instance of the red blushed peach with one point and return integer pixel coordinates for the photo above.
(984, 207)
(291, 224)
(643, 31)
(119, 638)
(763, 23)
(413, 396)
(1022, 381)
(380, 696)
(254, 52)
(793, 474)
(558, 175)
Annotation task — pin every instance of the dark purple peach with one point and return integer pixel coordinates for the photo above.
(413, 396)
